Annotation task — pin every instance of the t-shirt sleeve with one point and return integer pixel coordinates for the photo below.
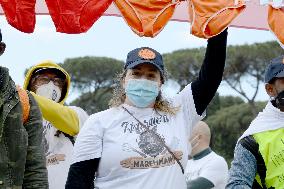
(216, 171)
(199, 183)
(88, 144)
(82, 115)
(184, 100)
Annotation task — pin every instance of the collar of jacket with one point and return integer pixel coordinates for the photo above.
(4, 80)
(202, 154)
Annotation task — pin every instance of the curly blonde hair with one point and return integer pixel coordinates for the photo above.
(118, 97)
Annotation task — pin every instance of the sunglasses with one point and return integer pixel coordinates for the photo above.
(45, 80)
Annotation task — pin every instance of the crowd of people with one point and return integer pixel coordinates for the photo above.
(143, 140)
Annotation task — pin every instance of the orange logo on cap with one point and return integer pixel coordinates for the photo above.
(147, 54)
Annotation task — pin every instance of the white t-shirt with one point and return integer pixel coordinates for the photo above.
(212, 167)
(131, 158)
(58, 151)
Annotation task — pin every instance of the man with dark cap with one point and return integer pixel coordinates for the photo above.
(259, 155)
(22, 160)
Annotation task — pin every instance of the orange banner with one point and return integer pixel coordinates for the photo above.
(254, 17)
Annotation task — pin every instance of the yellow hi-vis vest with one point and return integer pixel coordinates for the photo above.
(271, 147)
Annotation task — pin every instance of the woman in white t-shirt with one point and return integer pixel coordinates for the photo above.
(141, 141)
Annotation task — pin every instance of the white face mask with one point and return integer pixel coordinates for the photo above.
(49, 91)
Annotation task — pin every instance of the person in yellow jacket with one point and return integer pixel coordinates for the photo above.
(49, 84)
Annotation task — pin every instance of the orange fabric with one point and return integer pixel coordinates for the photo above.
(148, 17)
(25, 102)
(20, 14)
(76, 16)
(276, 21)
(209, 18)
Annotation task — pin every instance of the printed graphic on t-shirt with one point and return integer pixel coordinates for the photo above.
(55, 159)
(149, 145)
(192, 175)
(51, 157)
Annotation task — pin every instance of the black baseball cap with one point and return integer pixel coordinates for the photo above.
(40, 71)
(275, 69)
(145, 55)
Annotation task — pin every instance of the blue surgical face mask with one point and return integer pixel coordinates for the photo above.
(141, 92)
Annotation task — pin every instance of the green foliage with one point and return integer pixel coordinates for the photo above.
(94, 78)
(227, 101)
(184, 65)
(242, 60)
(92, 73)
(94, 102)
(228, 124)
(245, 65)
(219, 102)
(249, 60)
